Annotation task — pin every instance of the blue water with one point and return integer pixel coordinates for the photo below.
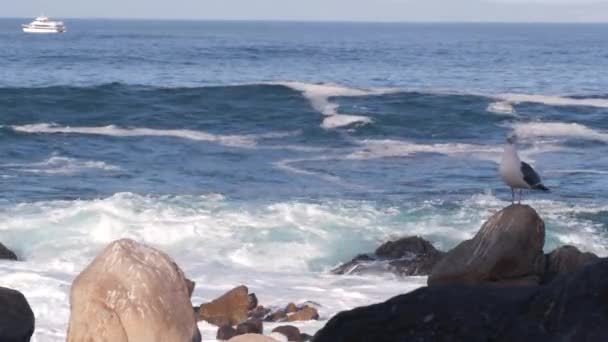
(264, 153)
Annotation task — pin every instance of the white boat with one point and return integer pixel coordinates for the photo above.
(43, 24)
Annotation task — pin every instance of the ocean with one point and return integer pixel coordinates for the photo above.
(266, 153)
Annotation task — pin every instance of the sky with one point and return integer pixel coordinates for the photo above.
(319, 10)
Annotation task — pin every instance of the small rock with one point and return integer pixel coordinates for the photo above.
(253, 301)
(292, 333)
(259, 312)
(291, 308)
(225, 333)
(276, 316)
(305, 314)
(6, 253)
(229, 309)
(252, 326)
(16, 316)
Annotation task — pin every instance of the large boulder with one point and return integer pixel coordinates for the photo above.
(6, 253)
(508, 249)
(252, 338)
(131, 292)
(16, 317)
(570, 308)
(564, 260)
(409, 256)
(231, 308)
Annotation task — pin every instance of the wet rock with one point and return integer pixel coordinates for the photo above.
(229, 309)
(289, 331)
(405, 257)
(570, 308)
(16, 316)
(305, 337)
(131, 292)
(307, 313)
(508, 247)
(565, 260)
(225, 333)
(252, 326)
(6, 253)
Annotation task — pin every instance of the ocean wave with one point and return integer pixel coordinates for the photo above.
(319, 96)
(532, 130)
(501, 107)
(61, 165)
(244, 141)
(555, 100)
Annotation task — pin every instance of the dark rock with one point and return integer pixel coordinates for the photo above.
(277, 316)
(190, 285)
(405, 257)
(292, 333)
(6, 253)
(259, 312)
(305, 337)
(16, 317)
(225, 333)
(253, 301)
(508, 247)
(305, 314)
(229, 309)
(252, 326)
(570, 308)
(564, 260)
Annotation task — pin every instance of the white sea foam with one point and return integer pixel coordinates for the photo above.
(61, 165)
(111, 130)
(554, 100)
(501, 107)
(278, 249)
(388, 148)
(558, 130)
(319, 95)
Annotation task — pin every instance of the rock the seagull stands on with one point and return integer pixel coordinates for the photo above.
(516, 173)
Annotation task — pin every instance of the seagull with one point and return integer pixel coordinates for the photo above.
(516, 173)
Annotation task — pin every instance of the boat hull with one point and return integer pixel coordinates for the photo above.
(43, 30)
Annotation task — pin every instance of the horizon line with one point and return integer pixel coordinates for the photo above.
(346, 21)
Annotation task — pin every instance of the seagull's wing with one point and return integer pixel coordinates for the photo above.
(531, 177)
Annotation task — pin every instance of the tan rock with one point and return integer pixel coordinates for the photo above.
(252, 338)
(508, 247)
(291, 308)
(305, 314)
(229, 309)
(131, 292)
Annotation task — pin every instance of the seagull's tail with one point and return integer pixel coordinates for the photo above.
(540, 186)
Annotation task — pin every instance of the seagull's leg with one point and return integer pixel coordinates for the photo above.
(512, 196)
(520, 196)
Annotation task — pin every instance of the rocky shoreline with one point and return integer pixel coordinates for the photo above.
(497, 286)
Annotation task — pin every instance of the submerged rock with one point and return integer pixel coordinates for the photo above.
(571, 308)
(408, 256)
(131, 292)
(507, 249)
(16, 317)
(6, 253)
(231, 308)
